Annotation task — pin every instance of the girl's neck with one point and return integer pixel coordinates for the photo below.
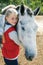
(7, 23)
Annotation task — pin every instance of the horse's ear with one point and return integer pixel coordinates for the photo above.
(7, 7)
(36, 11)
(3, 11)
(17, 7)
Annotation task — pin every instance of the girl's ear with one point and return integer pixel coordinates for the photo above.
(36, 11)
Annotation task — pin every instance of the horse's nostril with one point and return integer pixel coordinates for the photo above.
(30, 58)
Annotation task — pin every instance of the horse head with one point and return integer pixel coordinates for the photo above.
(27, 29)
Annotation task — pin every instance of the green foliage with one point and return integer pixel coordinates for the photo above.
(30, 3)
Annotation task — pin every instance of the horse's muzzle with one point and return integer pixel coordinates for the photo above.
(30, 56)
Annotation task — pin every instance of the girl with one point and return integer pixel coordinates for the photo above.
(10, 49)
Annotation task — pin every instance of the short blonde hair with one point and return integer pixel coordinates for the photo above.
(11, 10)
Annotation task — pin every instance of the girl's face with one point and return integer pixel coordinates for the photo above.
(12, 19)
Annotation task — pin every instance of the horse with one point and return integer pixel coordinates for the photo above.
(26, 29)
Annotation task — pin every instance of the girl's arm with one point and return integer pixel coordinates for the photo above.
(3, 39)
(13, 36)
(17, 36)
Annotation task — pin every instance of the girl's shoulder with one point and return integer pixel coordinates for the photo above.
(7, 27)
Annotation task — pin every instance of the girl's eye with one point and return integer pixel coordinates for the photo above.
(12, 18)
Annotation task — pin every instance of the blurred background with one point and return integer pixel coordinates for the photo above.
(31, 3)
(39, 37)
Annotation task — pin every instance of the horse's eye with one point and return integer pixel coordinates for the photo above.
(21, 23)
(23, 28)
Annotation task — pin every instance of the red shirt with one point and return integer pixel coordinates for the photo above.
(10, 48)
